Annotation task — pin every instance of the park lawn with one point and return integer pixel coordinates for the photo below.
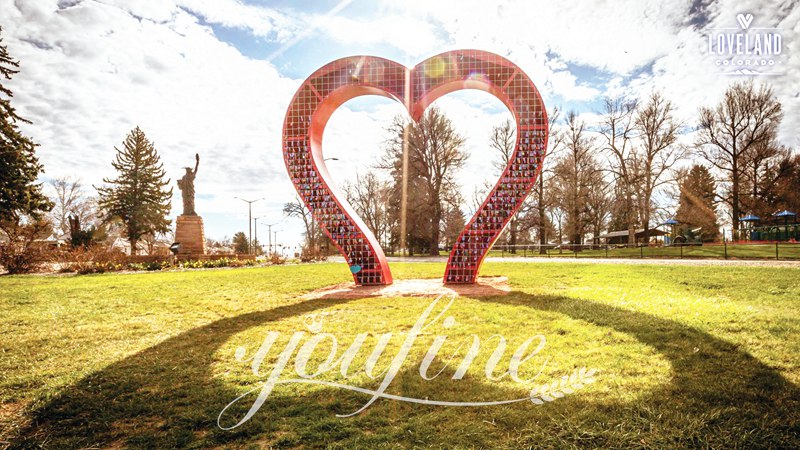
(786, 251)
(685, 357)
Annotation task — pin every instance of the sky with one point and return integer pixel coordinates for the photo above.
(215, 77)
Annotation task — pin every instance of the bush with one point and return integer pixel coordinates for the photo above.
(312, 254)
(97, 259)
(275, 258)
(22, 253)
(213, 263)
(94, 259)
(150, 265)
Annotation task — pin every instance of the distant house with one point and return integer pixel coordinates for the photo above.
(220, 250)
(55, 240)
(621, 237)
(122, 245)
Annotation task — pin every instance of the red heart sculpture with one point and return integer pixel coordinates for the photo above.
(347, 78)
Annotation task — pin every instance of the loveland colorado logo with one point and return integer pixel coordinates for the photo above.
(746, 50)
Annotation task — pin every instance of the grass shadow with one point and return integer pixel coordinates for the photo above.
(168, 387)
(167, 396)
(720, 395)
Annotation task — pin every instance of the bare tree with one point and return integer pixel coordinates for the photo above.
(479, 194)
(746, 117)
(297, 209)
(435, 153)
(658, 152)
(573, 176)
(546, 199)
(532, 214)
(69, 199)
(617, 129)
(503, 140)
(598, 202)
(761, 174)
(369, 196)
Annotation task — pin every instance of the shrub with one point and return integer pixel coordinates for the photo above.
(22, 253)
(312, 254)
(96, 259)
(276, 258)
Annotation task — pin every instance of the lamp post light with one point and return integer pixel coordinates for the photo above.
(276, 239)
(250, 221)
(255, 227)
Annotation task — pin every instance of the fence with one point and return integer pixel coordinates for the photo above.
(724, 250)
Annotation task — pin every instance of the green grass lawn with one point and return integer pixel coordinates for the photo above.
(786, 251)
(685, 356)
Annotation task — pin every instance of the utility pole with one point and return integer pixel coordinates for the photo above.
(250, 221)
(276, 240)
(269, 234)
(255, 226)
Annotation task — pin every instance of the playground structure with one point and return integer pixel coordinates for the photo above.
(779, 230)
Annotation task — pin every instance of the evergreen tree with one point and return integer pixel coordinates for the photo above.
(788, 184)
(454, 223)
(240, 243)
(138, 196)
(696, 205)
(20, 195)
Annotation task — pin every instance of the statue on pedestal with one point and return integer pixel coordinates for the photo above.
(186, 185)
(189, 226)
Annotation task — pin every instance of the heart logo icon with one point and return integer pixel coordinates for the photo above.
(745, 20)
(416, 88)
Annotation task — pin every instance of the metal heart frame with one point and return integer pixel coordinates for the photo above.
(416, 88)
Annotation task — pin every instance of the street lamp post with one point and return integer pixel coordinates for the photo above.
(255, 226)
(250, 221)
(269, 233)
(276, 239)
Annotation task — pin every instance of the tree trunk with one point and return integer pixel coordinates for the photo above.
(576, 226)
(542, 217)
(631, 222)
(512, 235)
(735, 198)
(437, 220)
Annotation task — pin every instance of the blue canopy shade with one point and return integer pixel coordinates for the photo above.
(670, 222)
(785, 213)
(750, 218)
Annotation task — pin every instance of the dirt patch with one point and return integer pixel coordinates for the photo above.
(485, 287)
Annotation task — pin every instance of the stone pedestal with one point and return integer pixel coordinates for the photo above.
(189, 232)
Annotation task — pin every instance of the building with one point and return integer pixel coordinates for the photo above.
(621, 237)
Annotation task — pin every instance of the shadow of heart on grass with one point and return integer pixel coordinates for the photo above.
(169, 396)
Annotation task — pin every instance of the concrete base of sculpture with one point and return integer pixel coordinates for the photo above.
(189, 232)
(484, 287)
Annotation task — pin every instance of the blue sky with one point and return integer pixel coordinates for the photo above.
(215, 77)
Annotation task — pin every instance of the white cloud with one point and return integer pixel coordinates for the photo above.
(259, 20)
(92, 72)
(410, 35)
(614, 36)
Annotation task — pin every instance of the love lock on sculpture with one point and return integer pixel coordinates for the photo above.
(347, 78)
